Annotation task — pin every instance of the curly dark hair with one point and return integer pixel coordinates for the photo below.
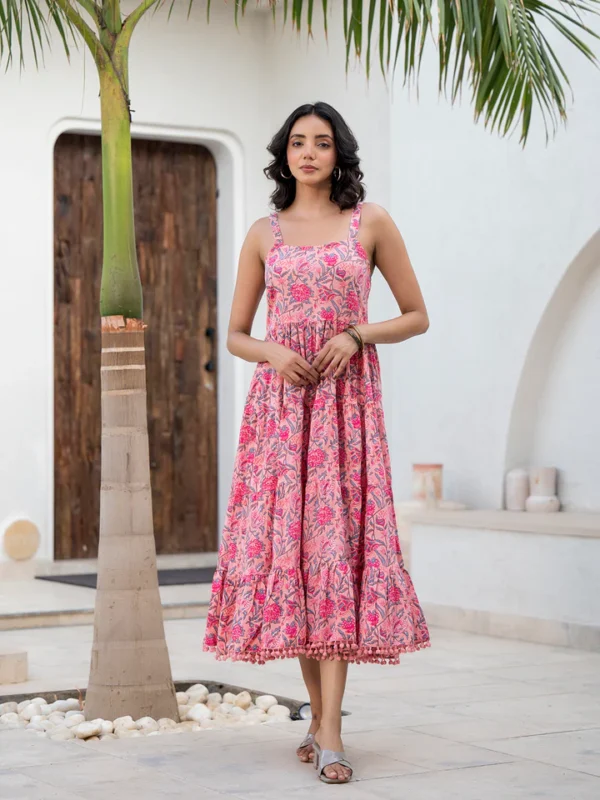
(348, 189)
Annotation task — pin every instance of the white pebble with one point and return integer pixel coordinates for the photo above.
(127, 733)
(257, 714)
(182, 698)
(32, 710)
(207, 724)
(125, 723)
(34, 726)
(266, 701)
(278, 711)
(107, 727)
(197, 696)
(198, 712)
(72, 713)
(197, 688)
(65, 705)
(243, 700)
(146, 724)
(237, 712)
(10, 718)
(87, 729)
(108, 736)
(8, 708)
(165, 722)
(214, 700)
(77, 719)
(46, 709)
(229, 697)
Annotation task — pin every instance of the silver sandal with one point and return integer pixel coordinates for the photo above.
(308, 740)
(326, 758)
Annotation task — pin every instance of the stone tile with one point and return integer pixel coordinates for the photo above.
(365, 717)
(402, 683)
(477, 730)
(222, 769)
(82, 773)
(21, 749)
(151, 786)
(460, 660)
(428, 752)
(16, 786)
(232, 768)
(501, 690)
(576, 750)
(553, 713)
(588, 667)
(510, 781)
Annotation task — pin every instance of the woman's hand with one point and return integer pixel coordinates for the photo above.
(291, 366)
(334, 356)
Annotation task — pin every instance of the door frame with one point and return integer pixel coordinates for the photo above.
(231, 391)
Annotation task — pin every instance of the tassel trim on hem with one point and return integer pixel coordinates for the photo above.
(321, 651)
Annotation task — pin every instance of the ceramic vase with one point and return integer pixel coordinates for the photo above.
(427, 484)
(542, 488)
(516, 489)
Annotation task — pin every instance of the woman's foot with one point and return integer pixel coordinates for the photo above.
(307, 753)
(332, 740)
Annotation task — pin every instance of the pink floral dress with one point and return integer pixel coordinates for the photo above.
(310, 560)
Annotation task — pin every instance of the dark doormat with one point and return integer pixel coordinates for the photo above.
(166, 577)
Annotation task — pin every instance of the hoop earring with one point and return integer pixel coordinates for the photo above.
(339, 173)
(285, 177)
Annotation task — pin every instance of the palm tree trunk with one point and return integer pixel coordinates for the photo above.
(130, 671)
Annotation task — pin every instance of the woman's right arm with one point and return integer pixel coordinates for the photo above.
(249, 289)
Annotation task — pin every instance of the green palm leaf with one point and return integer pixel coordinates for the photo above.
(498, 50)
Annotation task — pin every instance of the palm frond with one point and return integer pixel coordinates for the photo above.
(497, 49)
(26, 23)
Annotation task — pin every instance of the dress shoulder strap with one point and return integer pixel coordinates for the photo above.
(274, 217)
(355, 223)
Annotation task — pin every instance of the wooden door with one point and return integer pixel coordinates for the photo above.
(175, 219)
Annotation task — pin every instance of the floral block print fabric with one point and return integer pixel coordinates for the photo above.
(310, 560)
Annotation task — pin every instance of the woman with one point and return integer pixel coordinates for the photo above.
(310, 562)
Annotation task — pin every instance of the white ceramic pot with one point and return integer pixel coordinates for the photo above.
(427, 483)
(540, 504)
(542, 481)
(516, 489)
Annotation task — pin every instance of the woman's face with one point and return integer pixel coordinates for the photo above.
(311, 151)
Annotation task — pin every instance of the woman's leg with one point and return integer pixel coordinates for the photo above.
(329, 735)
(312, 678)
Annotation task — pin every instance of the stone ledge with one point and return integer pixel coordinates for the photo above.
(563, 523)
(13, 667)
(510, 626)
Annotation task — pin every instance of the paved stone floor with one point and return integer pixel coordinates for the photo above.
(472, 718)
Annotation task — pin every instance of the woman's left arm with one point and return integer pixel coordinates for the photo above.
(391, 257)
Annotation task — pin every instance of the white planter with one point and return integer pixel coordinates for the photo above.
(517, 489)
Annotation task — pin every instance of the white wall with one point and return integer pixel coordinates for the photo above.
(230, 89)
(491, 229)
(554, 577)
(566, 426)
